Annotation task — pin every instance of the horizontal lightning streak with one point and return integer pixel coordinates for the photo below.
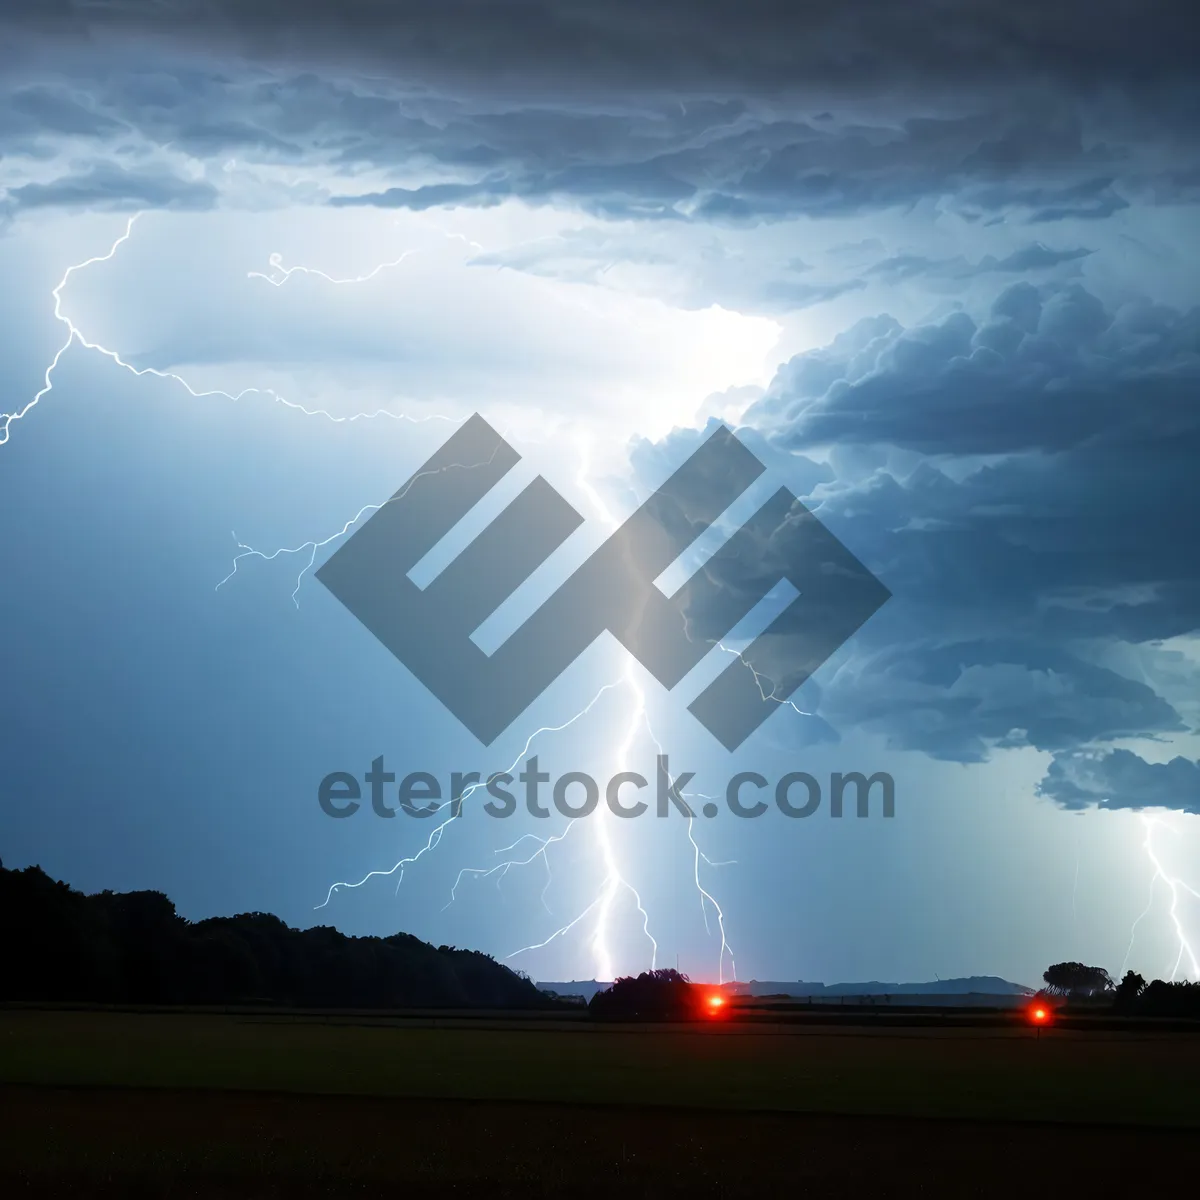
(74, 334)
(279, 274)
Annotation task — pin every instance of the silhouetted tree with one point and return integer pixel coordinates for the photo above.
(1076, 980)
(1128, 990)
(664, 995)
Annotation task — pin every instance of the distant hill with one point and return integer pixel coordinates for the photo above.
(58, 944)
(974, 985)
(989, 985)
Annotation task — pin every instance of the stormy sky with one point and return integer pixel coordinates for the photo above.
(936, 263)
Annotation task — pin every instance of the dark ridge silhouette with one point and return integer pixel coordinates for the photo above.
(58, 944)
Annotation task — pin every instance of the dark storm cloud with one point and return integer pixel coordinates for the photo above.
(702, 111)
(1009, 573)
(962, 700)
(433, 195)
(769, 166)
(1090, 199)
(705, 44)
(1048, 369)
(1052, 548)
(220, 137)
(109, 186)
(1034, 257)
(1023, 480)
(1121, 779)
(38, 111)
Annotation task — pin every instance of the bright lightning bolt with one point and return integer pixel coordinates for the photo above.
(1175, 886)
(706, 897)
(73, 334)
(638, 720)
(614, 881)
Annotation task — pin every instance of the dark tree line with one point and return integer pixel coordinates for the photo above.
(1158, 998)
(1133, 996)
(134, 948)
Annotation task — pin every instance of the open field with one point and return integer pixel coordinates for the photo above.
(115, 1103)
(983, 1073)
(122, 1143)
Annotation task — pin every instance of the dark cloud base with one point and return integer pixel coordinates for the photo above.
(754, 45)
(1117, 779)
(704, 111)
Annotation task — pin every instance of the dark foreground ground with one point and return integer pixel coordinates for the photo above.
(179, 1105)
(119, 1143)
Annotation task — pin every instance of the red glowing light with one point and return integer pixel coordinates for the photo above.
(715, 1002)
(1039, 1014)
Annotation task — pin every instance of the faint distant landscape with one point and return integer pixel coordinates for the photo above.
(989, 990)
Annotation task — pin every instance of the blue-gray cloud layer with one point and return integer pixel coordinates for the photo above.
(1025, 486)
(700, 112)
(1122, 779)
(1021, 477)
(676, 44)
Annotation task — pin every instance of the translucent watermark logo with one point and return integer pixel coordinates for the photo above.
(429, 629)
(576, 794)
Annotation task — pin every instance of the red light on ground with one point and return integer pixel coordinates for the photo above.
(1039, 1015)
(716, 1002)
